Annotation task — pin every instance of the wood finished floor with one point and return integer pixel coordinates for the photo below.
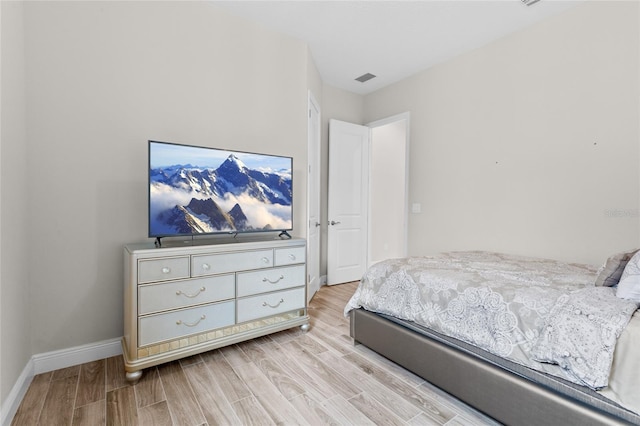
(286, 378)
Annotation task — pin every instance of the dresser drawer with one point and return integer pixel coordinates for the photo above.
(230, 262)
(267, 280)
(170, 268)
(184, 322)
(265, 305)
(290, 255)
(180, 294)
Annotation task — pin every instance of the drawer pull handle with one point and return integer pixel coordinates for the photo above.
(166, 270)
(265, 259)
(292, 256)
(193, 324)
(191, 296)
(273, 306)
(206, 266)
(281, 277)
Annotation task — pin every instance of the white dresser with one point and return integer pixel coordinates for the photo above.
(183, 300)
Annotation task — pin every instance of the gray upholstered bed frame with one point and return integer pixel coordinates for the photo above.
(502, 394)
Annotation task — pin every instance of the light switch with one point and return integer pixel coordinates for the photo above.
(416, 208)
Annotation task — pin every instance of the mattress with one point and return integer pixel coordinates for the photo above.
(624, 379)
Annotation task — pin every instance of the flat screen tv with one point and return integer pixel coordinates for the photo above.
(202, 191)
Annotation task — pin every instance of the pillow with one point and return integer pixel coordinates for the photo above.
(629, 285)
(580, 334)
(609, 274)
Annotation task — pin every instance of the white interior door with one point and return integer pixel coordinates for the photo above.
(313, 204)
(347, 202)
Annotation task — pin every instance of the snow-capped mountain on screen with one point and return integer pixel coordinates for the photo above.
(187, 199)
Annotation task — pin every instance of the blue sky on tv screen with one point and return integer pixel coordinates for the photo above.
(164, 155)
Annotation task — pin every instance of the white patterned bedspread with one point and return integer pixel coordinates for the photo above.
(535, 312)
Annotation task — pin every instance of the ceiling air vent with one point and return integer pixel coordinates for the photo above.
(365, 77)
(529, 2)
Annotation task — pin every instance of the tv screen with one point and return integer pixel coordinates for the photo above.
(198, 190)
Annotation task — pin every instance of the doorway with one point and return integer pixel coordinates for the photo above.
(388, 189)
(368, 195)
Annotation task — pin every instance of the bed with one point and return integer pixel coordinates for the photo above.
(524, 340)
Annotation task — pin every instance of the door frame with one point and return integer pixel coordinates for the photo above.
(314, 162)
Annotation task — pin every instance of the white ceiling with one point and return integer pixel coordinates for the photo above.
(391, 39)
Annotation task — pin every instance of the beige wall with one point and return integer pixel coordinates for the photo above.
(15, 312)
(530, 144)
(102, 79)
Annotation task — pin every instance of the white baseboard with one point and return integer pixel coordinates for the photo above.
(323, 280)
(64, 358)
(19, 389)
(55, 360)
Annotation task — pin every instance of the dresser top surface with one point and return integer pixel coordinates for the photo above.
(177, 247)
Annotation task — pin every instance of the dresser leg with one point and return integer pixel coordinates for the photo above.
(305, 327)
(134, 376)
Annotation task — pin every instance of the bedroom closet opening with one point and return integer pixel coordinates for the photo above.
(367, 195)
(388, 193)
